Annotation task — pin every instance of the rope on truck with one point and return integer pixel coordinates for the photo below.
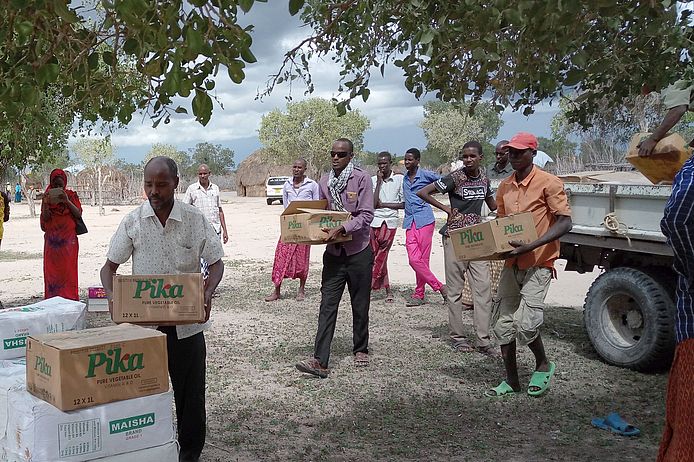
(612, 224)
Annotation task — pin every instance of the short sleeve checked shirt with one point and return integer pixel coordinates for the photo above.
(172, 249)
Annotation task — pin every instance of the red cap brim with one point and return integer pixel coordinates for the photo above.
(517, 145)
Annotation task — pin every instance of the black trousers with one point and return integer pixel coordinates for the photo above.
(354, 271)
(187, 372)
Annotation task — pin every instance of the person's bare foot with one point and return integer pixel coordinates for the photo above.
(300, 296)
(444, 293)
(273, 296)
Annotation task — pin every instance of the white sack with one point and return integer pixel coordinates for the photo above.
(56, 314)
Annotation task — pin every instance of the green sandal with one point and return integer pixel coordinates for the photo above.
(502, 389)
(540, 380)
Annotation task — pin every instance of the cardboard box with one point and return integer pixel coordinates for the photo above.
(38, 432)
(167, 299)
(668, 157)
(74, 370)
(97, 301)
(56, 314)
(302, 222)
(489, 240)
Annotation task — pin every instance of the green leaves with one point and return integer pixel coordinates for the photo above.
(23, 30)
(247, 55)
(202, 107)
(135, 55)
(295, 6)
(194, 41)
(518, 53)
(48, 73)
(235, 71)
(246, 5)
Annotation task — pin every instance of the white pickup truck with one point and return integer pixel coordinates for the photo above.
(629, 309)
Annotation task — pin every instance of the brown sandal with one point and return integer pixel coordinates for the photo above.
(490, 350)
(361, 359)
(463, 346)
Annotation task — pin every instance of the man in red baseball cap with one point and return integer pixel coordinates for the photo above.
(523, 141)
(529, 268)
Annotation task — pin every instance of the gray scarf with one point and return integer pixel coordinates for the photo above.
(338, 184)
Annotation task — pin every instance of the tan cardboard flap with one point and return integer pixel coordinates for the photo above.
(316, 211)
(295, 207)
(96, 336)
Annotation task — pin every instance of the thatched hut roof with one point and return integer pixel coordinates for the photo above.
(254, 171)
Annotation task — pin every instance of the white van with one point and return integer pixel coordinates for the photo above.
(273, 188)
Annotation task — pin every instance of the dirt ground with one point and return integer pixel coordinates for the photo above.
(418, 400)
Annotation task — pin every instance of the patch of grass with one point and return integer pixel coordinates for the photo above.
(9, 255)
(418, 399)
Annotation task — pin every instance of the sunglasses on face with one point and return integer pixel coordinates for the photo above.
(340, 154)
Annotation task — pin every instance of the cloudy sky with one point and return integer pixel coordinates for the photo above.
(393, 112)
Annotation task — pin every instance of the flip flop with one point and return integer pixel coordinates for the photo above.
(390, 298)
(500, 390)
(614, 423)
(463, 346)
(361, 359)
(541, 380)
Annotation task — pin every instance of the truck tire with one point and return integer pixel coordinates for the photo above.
(629, 317)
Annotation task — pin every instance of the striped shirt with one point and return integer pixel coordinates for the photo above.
(678, 227)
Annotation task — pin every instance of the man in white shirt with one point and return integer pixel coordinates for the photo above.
(388, 199)
(205, 195)
(165, 236)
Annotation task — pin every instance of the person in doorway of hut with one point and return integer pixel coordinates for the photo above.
(525, 279)
(419, 226)
(349, 189)
(60, 207)
(292, 260)
(468, 189)
(677, 442)
(388, 199)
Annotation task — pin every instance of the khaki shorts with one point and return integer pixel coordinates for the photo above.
(519, 304)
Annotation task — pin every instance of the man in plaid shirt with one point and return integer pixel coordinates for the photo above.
(678, 227)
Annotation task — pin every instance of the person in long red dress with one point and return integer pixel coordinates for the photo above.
(59, 209)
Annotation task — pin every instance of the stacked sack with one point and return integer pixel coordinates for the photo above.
(96, 394)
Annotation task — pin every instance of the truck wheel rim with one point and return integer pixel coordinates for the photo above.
(622, 320)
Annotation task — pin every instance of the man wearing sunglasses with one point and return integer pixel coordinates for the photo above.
(347, 188)
(520, 299)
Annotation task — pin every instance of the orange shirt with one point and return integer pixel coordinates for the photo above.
(543, 195)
